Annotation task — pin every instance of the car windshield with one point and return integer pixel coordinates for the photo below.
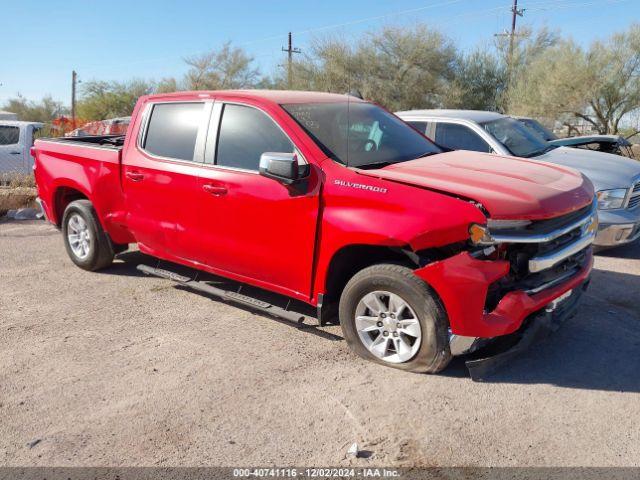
(540, 129)
(360, 134)
(517, 138)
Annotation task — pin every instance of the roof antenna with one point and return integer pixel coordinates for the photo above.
(355, 93)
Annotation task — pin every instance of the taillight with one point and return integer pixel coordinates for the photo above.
(32, 151)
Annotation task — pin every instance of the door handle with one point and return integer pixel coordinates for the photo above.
(15, 153)
(215, 189)
(134, 176)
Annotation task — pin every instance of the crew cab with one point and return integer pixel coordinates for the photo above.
(335, 202)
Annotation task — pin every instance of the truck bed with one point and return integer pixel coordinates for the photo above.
(96, 140)
(106, 148)
(75, 167)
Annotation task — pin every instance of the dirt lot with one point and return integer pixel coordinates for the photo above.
(118, 369)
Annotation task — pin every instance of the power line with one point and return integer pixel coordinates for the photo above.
(475, 14)
(548, 5)
(318, 29)
(356, 21)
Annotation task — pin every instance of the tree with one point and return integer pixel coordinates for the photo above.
(399, 68)
(408, 68)
(553, 86)
(479, 83)
(101, 100)
(527, 47)
(615, 65)
(167, 85)
(600, 85)
(226, 68)
(43, 111)
(331, 66)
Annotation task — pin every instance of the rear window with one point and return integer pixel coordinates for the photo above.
(172, 130)
(9, 135)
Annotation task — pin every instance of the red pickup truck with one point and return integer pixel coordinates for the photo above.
(335, 202)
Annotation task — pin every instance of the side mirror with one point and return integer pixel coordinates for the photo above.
(283, 167)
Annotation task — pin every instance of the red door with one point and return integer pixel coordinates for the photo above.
(252, 227)
(160, 175)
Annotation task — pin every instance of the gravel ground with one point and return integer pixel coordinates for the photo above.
(115, 369)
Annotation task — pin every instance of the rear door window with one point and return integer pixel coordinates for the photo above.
(245, 134)
(9, 135)
(460, 137)
(172, 130)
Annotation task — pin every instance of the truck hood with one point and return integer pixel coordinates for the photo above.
(606, 171)
(507, 187)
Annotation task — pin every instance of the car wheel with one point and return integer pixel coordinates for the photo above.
(390, 316)
(87, 244)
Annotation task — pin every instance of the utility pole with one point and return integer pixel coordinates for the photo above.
(515, 13)
(290, 51)
(74, 80)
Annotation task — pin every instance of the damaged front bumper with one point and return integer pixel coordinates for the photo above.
(462, 283)
(497, 352)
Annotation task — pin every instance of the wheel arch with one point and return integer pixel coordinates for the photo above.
(63, 195)
(350, 259)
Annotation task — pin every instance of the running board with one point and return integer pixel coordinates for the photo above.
(225, 295)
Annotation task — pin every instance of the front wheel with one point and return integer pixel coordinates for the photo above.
(390, 316)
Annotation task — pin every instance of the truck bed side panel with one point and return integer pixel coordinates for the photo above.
(93, 171)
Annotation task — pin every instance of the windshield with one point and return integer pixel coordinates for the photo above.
(360, 134)
(540, 129)
(517, 138)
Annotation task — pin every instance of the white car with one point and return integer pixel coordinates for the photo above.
(16, 140)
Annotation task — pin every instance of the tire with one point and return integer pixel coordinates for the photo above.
(92, 251)
(428, 354)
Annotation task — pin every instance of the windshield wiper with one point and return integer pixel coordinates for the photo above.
(366, 166)
(427, 154)
(383, 164)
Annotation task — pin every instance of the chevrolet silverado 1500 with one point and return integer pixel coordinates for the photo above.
(332, 201)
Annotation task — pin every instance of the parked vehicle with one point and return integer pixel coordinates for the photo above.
(616, 179)
(110, 126)
(334, 202)
(4, 115)
(614, 144)
(16, 140)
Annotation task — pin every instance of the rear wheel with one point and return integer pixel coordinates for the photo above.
(87, 244)
(390, 316)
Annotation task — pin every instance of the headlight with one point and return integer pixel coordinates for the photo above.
(610, 199)
(479, 234)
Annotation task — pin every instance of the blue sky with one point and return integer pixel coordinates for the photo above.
(119, 40)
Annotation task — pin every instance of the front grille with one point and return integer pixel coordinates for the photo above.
(634, 200)
(520, 253)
